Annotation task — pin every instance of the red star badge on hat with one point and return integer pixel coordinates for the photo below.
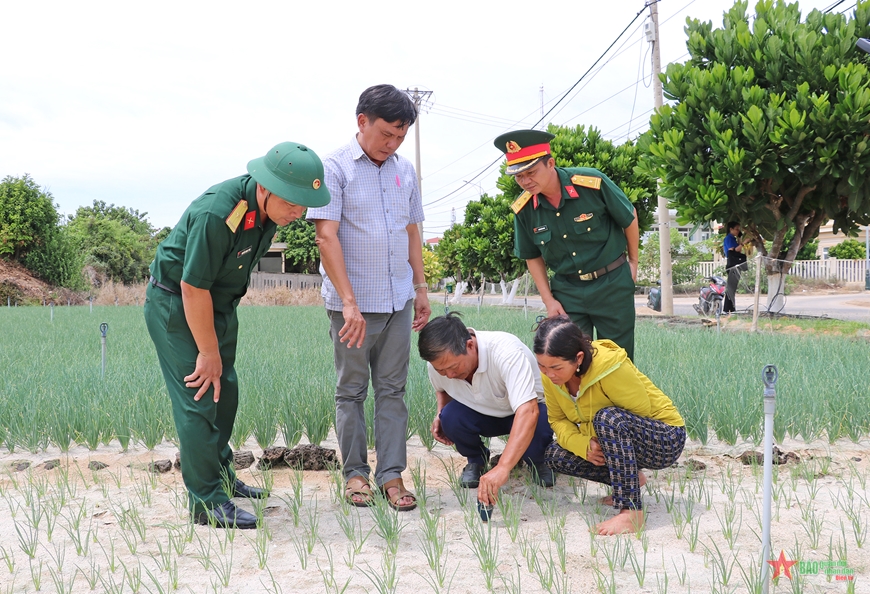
(250, 219)
(781, 565)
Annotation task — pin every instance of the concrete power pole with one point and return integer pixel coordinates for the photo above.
(417, 97)
(667, 277)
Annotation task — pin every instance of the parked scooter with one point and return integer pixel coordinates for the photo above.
(711, 297)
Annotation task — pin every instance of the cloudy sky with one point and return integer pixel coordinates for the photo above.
(146, 105)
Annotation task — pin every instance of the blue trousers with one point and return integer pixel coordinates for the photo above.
(465, 427)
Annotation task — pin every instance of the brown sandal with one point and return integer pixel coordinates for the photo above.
(357, 486)
(401, 493)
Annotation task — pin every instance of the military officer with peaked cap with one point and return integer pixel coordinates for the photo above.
(578, 223)
(201, 271)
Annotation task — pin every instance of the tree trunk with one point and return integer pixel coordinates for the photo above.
(457, 292)
(508, 298)
(776, 291)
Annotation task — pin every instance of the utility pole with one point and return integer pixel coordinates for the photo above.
(667, 278)
(417, 96)
(542, 99)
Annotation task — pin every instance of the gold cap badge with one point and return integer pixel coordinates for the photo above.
(513, 147)
(316, 184)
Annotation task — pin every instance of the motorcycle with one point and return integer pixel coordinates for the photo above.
(711, 297)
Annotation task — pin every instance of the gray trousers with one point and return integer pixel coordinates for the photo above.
(386, 350)
(731, 288)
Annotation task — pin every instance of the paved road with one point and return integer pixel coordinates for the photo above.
(841, 306)
(853, 306)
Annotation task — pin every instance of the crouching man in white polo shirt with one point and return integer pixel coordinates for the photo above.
(487, 384)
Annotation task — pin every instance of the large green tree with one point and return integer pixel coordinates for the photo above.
(28, 216)
(301, 252)
(488, 229)
(117, 243)
(769, 126)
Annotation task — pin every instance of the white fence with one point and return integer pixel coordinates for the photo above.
(847, 271)
(270, 280)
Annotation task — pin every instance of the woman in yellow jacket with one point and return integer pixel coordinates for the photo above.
(610, 420)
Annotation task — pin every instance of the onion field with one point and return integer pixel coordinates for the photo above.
(52, 392)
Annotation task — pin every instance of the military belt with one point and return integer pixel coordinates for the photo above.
(154, 282)
(601, 271)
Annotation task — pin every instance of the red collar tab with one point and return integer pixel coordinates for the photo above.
(535, 202)
(572, 192)
(250, 219)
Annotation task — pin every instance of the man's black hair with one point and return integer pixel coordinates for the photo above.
(387, 103)
(443, 334)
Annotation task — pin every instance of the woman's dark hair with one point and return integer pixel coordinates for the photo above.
(387, 103)
(443, 334)
(561, 338)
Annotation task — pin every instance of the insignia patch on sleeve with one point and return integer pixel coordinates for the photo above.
(236, 215)
(520, 202)
(586, 181)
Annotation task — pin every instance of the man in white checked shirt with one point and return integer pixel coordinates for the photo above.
(373, 287)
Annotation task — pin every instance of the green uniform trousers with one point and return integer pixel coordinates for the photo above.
(606, 303)
(204, 427)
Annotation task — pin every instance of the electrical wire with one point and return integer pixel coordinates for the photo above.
(619, 52)
(636, 85)
(543, 117)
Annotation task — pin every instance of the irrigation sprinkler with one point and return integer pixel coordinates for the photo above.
(104, 328)
(51, 309)
(91, 299)
(768, 376)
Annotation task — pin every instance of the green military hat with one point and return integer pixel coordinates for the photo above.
(523, 148)
(293, 172)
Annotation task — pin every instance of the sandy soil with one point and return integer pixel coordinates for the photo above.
(133, 525)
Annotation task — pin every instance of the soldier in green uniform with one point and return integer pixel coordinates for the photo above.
(578, 223)
(198, 276)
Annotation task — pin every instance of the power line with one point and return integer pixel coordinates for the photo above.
(636, 85)
(620, 51)
(543, 117)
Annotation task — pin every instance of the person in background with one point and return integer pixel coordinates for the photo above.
(735, 261)
(199, 274)
(610, 419)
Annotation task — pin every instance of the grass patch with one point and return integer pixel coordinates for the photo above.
(51, 392)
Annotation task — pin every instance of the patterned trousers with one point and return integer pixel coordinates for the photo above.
(629, 443)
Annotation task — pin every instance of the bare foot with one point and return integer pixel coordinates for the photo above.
(625, 522)
(608, 499)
